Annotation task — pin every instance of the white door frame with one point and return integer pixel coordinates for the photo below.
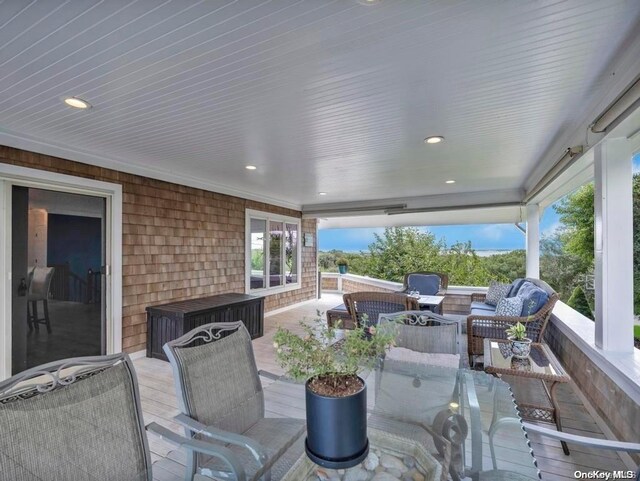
(11, 175)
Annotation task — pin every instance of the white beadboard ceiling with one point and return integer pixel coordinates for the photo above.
(320, 95)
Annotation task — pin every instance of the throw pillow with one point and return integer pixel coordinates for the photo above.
(509, 307)
(496, 292)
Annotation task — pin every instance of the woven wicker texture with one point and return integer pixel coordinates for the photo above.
(444, 281)
(490, 326)
(372, 304)
(87, 430)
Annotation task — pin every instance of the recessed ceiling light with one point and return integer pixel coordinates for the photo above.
(450, 182)
(77, 103)
(368, 2)
(322, 193)
(250, 167)
(434, 139)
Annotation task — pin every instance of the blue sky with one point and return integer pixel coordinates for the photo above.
(482, 236)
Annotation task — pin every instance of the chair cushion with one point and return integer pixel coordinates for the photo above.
(509, 307)
(496, 292)
(533, 298)
(427, 358)
(426, 284)
(515, 286)
(482, 306)
(483, 312)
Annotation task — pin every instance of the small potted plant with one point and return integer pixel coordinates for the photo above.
(520, 344)
(343, 265)
(336, 397)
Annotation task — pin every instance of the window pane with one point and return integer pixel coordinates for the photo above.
(291, 253)
(275, 254)
(258, 234)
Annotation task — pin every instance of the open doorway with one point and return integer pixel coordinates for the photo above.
(58, 254)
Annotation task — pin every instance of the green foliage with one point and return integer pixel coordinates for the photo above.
(577, 215)
(403, 249)
(342, 261)
(517, 331)
(315, 353)
(561, 270)
(636, 332)
(464, 266)
(506, 267)
(257, 260)
(579, 302)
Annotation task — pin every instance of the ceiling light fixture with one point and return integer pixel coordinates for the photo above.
(250, 167)
(434, 139)
(368, 2)
(322, 193)
(77, 103)
(450, 181)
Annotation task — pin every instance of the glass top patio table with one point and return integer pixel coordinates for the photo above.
(465, 420)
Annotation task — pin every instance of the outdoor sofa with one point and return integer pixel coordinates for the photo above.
(539, 299)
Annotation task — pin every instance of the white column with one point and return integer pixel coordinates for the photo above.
(613, 246)
(533, 241)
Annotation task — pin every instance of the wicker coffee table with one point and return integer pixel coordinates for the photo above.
(533, 380)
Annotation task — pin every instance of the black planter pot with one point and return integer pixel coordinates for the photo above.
(337, 429)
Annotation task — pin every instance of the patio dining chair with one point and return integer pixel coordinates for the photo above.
(424, 337)
(372, 304)
(221, 399)
(39, 286)
(80, 419)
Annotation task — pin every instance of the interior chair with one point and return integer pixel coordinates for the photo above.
(372, 304)
(424, 337)
(220, 398)
(80, 419)
(427, 283)
(39, 286)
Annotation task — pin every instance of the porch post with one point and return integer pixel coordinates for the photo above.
(533, 241)
(613, 244)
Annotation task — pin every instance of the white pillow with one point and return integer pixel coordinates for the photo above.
(509, 306)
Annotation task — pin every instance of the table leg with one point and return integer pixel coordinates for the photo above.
(556, 414)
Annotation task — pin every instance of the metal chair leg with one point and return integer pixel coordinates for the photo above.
(45, 304)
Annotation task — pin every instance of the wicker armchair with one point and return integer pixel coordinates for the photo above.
(81, 419)
(444, 282)
(372, 304)
(220, 398)
(480, 326)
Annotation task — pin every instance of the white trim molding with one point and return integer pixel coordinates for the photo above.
(268, 217)
(14, 175)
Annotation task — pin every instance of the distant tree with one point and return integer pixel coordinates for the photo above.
(464, 266)
(579, 302)
(577, 216)
(508, 266)
(561, 270)
(400, 250)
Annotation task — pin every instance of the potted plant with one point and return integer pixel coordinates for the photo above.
(343, 265)
(520, 344)
(336, 397)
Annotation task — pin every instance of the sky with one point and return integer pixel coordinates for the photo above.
(482, 236)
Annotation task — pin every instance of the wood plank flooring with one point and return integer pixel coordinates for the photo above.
(159, 404)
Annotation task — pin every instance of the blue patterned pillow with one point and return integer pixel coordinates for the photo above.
(509, 306)
(496, 292)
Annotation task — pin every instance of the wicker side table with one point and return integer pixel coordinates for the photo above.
(533, 380)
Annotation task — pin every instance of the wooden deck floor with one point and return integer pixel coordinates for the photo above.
(159, 404)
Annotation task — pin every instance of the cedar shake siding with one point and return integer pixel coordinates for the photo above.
(178, 242)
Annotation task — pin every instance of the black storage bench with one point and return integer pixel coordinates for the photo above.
(169, 321)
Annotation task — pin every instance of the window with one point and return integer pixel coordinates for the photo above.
(272, 252)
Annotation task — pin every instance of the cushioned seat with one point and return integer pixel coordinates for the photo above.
(483, 312)
(482, 306)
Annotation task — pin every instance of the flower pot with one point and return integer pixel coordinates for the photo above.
(520, 348)
(342, 269)
(337, 429)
